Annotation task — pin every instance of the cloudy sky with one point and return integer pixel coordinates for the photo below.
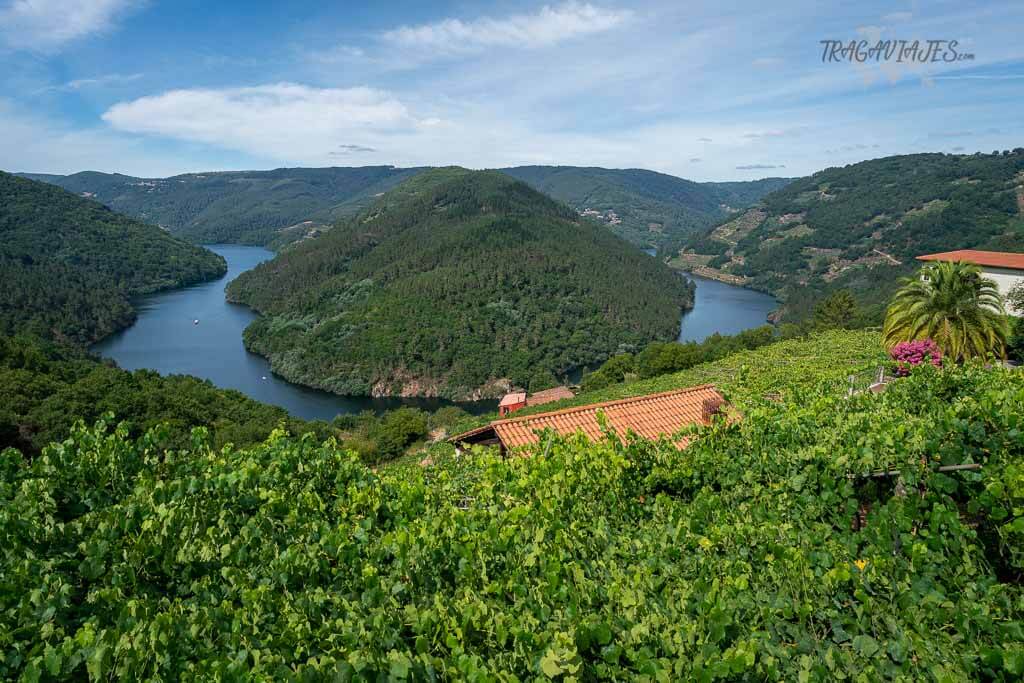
(708, 91)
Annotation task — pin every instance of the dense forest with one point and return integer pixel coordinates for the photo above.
(246, 207)
(820, 537)
(646, 208)
(860, 227)
(46, 387)
(269, 207)
(456, 283)
(69, 266)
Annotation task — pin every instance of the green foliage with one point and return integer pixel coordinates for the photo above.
(378, 438)
(784, 369)
(653, 209)
(661, 358)
(1015, 342)
(266, 207)
(1015, 298)
(45, 388)
(954, 305)
(245, 207)
(68, 266)
(861, 226)
(452, 282)
(736, 560)
(836, 311)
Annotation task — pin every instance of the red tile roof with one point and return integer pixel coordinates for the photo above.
(513, 399)
(995, 259)
(548, 395)
(649, 416)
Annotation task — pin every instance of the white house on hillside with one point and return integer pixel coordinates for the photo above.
(1005, 269)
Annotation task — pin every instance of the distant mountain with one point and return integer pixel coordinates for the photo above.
(247, 207)
(269, 207)
(459, 284)
(69, 266)
(860, 227)
(646, 208)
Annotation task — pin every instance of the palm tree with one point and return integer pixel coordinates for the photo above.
(952, 304)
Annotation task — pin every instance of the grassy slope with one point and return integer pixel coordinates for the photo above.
(779, 370)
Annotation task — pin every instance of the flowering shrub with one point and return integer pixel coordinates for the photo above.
(909, 354)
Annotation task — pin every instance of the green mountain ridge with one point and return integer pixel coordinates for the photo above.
(69, 266)
(651, 209)
(246, 207)
(458, 284)
(861, 227)
(258, 207)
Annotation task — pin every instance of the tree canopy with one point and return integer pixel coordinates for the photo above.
(954, 305)
(861, 227)
(458, 284)
(69, 266)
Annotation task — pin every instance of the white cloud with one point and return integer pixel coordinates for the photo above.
(549, 26)
(45, 25)
(34, 143)
(284, 120)
(93, 82)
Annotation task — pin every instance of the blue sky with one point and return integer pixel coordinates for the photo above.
(708, 91)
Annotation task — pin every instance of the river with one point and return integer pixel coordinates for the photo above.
(722, 308)
(167, 339)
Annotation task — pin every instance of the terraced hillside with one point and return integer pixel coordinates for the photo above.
(860, 227)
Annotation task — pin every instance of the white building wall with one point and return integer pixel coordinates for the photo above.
(1005, 279)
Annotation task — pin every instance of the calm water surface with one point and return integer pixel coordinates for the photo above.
(722, 308)
(165, 338)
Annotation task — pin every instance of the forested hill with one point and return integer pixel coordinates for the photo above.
(456, 283)
(68, 265)
(271, 207)
(647, 208)
(247, 207)
(860, 227)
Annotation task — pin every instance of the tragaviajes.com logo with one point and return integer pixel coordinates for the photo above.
(893, 51)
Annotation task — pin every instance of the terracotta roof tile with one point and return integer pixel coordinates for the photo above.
(548, 395)
(648, 416)
(513, 399)
(995, 259)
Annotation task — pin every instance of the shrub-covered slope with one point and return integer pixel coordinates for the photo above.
(861, 226)
(68, 265)
(765, 551)
(456, 283)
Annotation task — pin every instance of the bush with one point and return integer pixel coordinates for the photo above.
(909, 354)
